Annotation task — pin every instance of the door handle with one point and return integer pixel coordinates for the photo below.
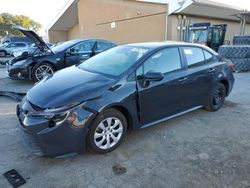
(84, 55)
(211, 70)
(182, 79)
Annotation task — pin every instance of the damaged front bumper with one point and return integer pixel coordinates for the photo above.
(18, 72)
(45, 138)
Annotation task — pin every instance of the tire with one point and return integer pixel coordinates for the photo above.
(37, 69)
(25, 54)
(241, 40)
(215, 103)
(241, 65)
(99, 133)
(3, 53)
(234, 51)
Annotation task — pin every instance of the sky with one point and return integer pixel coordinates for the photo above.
(44, 11)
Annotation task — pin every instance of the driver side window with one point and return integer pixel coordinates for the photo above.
(163, 61)
(12, 45)
(82, 47)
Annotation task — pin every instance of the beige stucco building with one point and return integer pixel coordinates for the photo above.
(127, 21)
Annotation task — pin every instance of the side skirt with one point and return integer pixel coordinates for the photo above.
(170, 117)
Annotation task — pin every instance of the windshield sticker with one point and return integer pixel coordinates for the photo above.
(188, 52)
(139, 50)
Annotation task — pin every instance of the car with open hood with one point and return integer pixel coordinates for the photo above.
(46, 60)
(92, 104)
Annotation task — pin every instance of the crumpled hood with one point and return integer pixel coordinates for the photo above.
(70, 85)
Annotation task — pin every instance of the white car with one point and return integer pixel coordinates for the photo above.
(7, 49)
(21, 51)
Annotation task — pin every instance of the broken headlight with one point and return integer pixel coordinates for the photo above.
(66, 113)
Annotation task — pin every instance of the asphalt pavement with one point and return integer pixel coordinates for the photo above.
(199, 149)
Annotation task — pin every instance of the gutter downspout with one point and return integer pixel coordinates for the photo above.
(243, 26)
(166, 26)
(181, 3)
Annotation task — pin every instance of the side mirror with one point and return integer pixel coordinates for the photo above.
(70, 52)
(153, 76)
(93, 53)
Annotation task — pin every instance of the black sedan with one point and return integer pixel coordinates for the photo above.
(46, 61)
(91, 105)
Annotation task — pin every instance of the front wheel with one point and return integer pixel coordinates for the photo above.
(42, 70)
(3, 53)
(107, 131)
(216, 98)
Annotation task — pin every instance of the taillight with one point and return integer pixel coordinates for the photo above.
(231, 65)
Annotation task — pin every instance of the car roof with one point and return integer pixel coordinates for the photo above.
(155, 45)
(86, 39)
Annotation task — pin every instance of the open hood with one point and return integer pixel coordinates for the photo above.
(33, 37)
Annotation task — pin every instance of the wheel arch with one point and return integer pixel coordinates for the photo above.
(125, 112)
(226, 84)
(33, 63)
(4, 51)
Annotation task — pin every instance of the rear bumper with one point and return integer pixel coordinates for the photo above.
(58, 141)
(231, 81)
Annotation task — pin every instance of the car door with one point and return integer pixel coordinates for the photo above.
(158, 99)
(79, 52)
(199, 74)
(10, 47)
(103, 46)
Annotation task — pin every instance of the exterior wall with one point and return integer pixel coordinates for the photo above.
(56, 36)
(134, 21)
(233, 28)
(73, 33)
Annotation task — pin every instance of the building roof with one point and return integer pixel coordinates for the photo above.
(244, 16)
(204, 8)
(68, 16)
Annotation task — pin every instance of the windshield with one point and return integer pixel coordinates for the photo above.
(115, 61)
(198, 36)
(63, 46)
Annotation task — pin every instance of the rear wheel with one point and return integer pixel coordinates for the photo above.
(107, 131)
(42, 70)
(3, 53)
(216, 98)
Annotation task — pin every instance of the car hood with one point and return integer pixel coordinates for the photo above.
(33, 37)
(68, 86)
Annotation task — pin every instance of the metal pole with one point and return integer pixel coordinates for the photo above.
(166, 28)
(244, 26)
(241, 22)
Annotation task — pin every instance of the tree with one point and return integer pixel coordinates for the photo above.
(7, 19)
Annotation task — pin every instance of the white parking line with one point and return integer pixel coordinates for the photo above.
(7, 114)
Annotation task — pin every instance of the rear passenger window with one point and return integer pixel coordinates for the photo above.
(102, 46)
(20, 45)
(194, 55)
(83, 47)
(207, 55)
(163, 61)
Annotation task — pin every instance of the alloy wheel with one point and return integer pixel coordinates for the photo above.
(218, 97)
(2, 54)
(108, 133)
(42, 71)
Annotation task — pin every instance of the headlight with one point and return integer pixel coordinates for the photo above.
(61, 109)
(66, 113)
(24, 62)
(20, 62)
